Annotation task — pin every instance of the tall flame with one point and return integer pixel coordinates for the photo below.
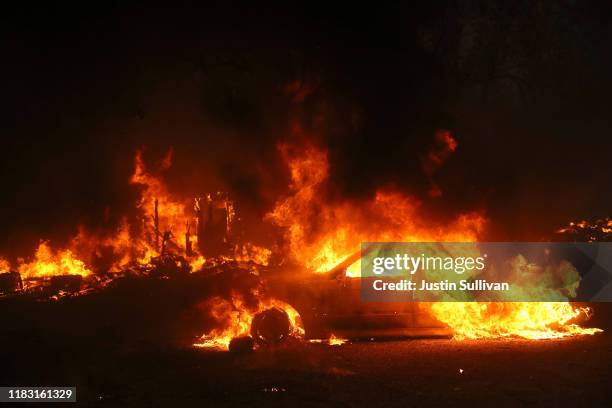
(131, 242)
(135, 241)
(173, 215)
(321, 234)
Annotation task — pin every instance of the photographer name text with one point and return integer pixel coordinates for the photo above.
(443, 285)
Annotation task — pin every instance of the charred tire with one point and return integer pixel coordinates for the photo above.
(272, 326)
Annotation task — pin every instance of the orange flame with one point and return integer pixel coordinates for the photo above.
(235, 319)
(173, 215)
(336, 341)
(530, 320)
(129, 243)
(321, 234)
(252, 253)
(49, 263)
(333, 340)
(5, 265)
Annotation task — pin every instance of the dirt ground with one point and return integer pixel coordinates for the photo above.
(568, 372)
(120, 352)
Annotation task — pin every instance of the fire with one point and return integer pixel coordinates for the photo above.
(322, 234)
(127, 244)
(235, 317)
(164, 223)
(336, 341)
(160, 211)
(48, 263)
(599, 230)
(155, 190)
(252, 253)
(333, 340)
(5, 265)
(124, 246)
(530, 320)
(197, 263)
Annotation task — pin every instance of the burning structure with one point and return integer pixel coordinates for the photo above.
(214, 218)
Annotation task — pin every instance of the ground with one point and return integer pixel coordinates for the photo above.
(566, 372)
(126, 347)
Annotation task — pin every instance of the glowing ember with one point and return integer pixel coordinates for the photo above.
(332, 340)
(336, 341)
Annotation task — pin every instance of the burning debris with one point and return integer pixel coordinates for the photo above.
(66, 283)
(187, 239)
(583, 231)
(147, 246)
(10, 282)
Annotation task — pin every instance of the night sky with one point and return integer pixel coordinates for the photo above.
(524, 86)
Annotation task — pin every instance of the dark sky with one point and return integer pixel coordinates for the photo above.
(525, 87)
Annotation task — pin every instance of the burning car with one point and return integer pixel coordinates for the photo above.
(330, 304)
